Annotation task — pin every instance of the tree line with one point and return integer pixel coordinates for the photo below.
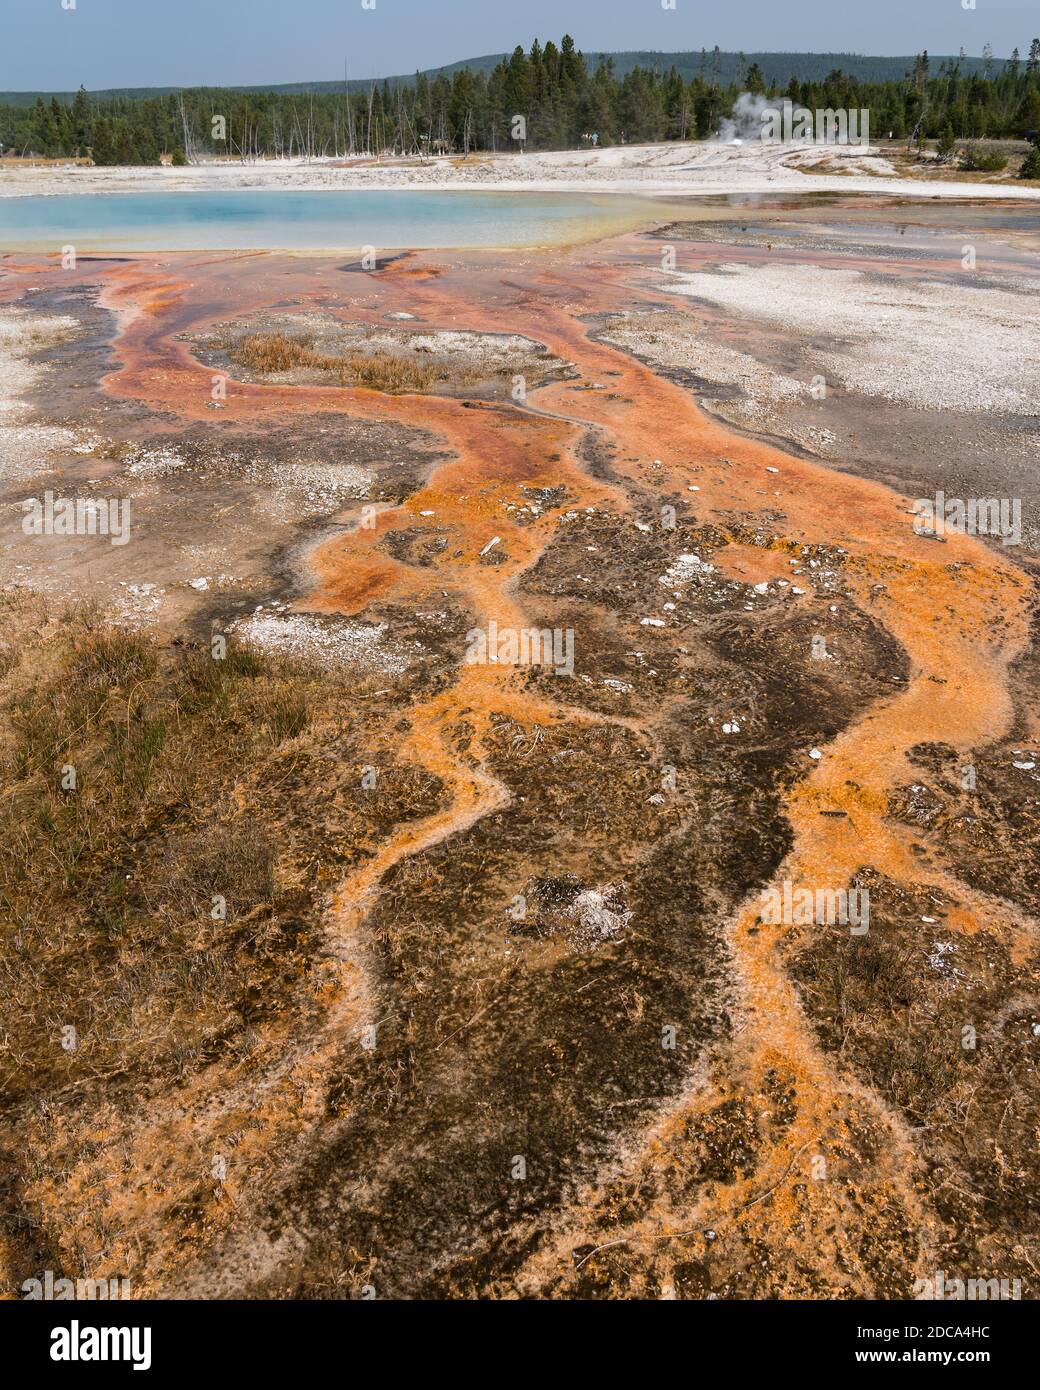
(564, 103)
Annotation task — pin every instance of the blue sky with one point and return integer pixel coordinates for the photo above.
(115, 43)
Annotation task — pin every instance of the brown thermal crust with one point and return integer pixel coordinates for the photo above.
(809, 1135)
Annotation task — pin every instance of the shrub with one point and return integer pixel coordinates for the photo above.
(947, 147)
(1031, 164)
(974, 161)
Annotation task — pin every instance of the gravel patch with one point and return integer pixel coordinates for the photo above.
(153, 463)
(329, 642)
(299, 488)
(714, 362)
(898, 335)
(28, 449)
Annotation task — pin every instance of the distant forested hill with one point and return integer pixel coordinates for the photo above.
(564, 97)
(776, 68)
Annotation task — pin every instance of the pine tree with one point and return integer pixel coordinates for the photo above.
(81, 121)
(103, 149)
(1027, 117)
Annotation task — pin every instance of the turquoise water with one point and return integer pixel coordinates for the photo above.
(340, 220)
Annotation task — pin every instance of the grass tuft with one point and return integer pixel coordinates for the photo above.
(377, 371)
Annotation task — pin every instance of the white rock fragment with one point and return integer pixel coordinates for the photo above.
(937, 957)
(686, 568)
(594, 919)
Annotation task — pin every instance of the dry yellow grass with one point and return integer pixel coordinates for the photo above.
(379, 371)
(170, 826)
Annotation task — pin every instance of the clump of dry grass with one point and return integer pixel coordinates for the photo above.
(197, 871)
(167, 903)
(378, 371)
(139, 784)
(274, 352)
(857, 987)
(119, 828)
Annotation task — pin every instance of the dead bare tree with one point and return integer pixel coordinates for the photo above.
(349, 110)
(190, 156)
